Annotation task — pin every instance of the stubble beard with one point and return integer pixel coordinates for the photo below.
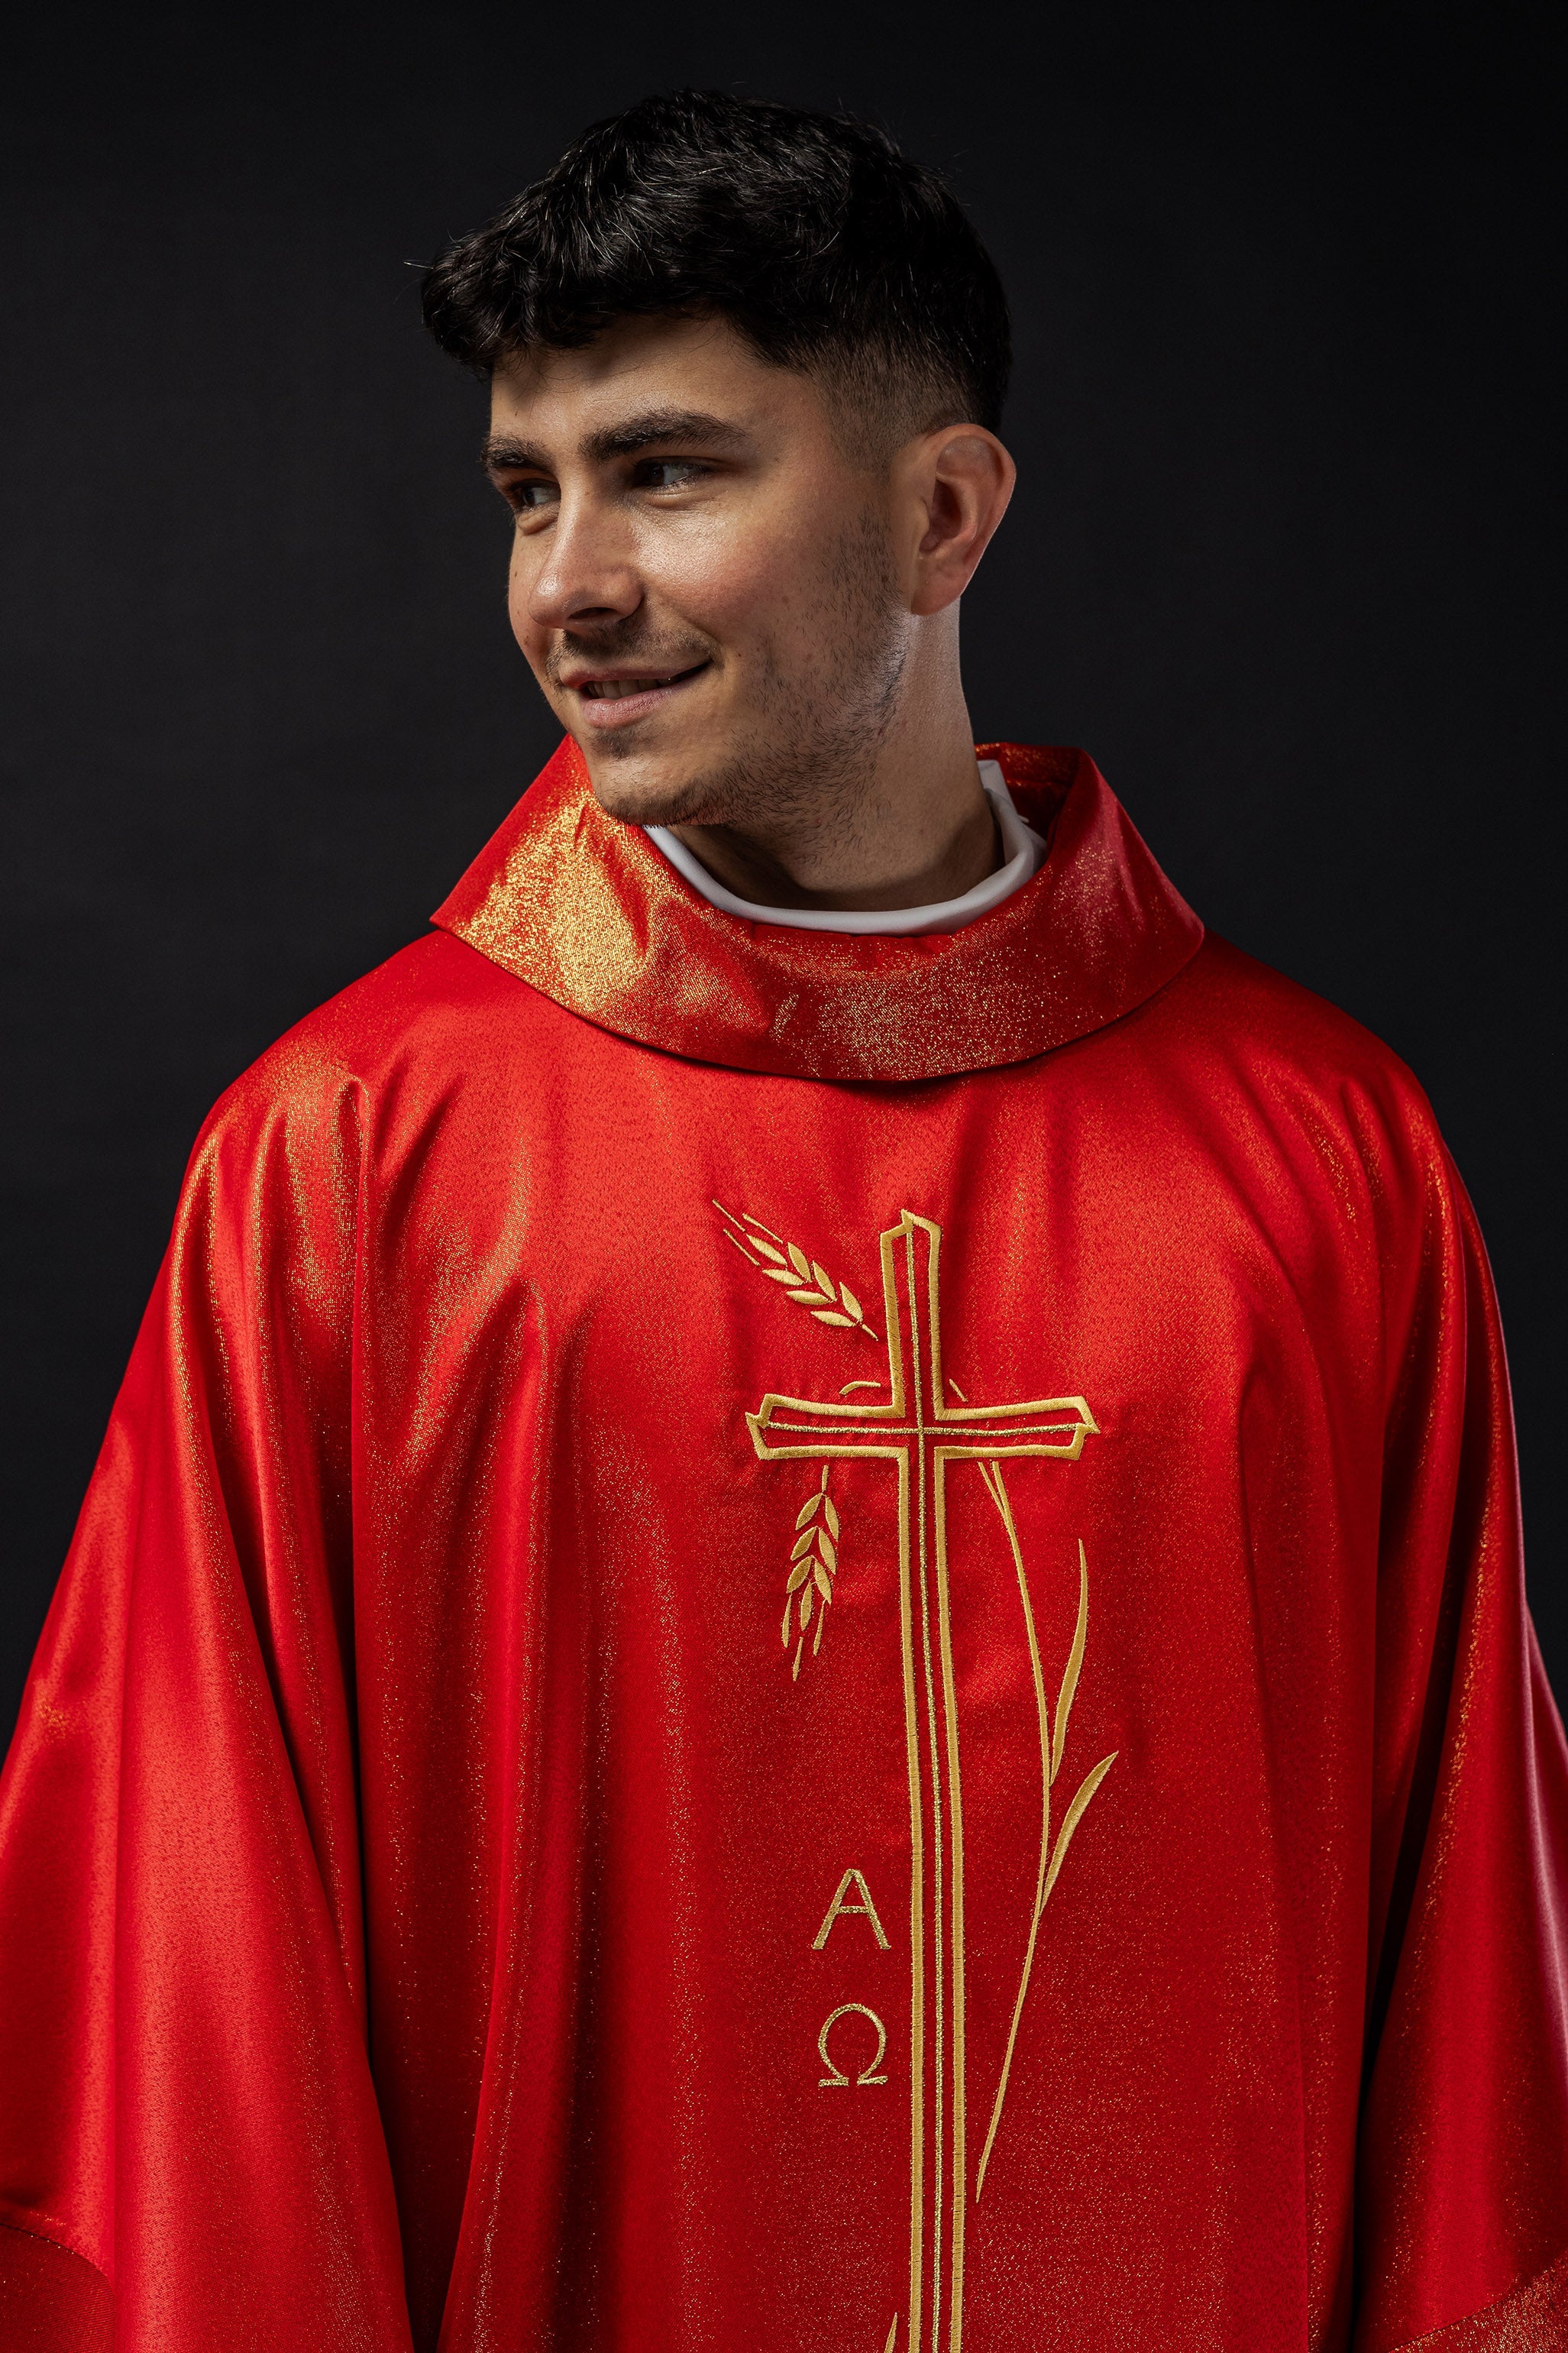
(805, 772)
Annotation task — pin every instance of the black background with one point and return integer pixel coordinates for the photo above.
(1281, 556)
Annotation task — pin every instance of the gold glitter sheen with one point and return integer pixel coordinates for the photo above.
(416, 1847)
(588, 910)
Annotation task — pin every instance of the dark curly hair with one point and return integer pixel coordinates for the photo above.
(826, 248)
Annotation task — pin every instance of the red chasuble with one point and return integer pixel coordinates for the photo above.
(802, 1643)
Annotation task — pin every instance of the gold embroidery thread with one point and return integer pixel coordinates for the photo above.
(838, 1908)
(813, 1565)
(804, 1280)
(836, 2079)
(917, 1431)
(1051, 1752)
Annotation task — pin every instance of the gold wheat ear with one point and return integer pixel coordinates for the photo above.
(812, 1567)
(804, 1280)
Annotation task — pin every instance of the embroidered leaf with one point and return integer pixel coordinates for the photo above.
(766, 1249)
(823, 1280)
(798, 1575)
(779, 1274)
(830, 1515)
(805, 1598)
(799, 1261)
(828, 1315)
(826, 1548)
(802, 1543)
(823, 1586)
(853, 1304)
(1051, 1858)
(807, 1298)
(1075, 1661)
(1075, 1814)
(783, 1629)
(808, 1509)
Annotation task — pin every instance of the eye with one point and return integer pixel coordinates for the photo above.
(527, 498)
(668, 473)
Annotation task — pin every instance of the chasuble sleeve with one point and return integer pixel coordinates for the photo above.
(1462, 2208)
(190, 2155)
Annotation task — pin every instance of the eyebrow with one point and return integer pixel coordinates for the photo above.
(648, 426)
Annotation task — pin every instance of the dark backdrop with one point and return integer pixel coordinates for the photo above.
(1281, 555)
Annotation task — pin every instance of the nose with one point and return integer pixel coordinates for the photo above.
(586, 573)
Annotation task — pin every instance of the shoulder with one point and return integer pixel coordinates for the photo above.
(1284, 1082)
(1285, 1036)
(421, 1019)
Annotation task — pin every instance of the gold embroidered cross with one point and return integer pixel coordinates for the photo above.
(920, 1432)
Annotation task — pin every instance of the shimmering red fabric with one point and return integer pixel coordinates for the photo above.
(589, 912)
(450, 1897)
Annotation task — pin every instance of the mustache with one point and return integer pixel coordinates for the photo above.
(652, 653)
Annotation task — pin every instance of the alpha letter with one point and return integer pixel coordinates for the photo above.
(851, 1879)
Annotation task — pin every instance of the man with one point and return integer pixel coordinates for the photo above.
(804, 1624)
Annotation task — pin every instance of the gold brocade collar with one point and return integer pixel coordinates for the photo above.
(587, 910)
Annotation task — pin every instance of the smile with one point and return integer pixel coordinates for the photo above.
(610, 690)
(616, 702)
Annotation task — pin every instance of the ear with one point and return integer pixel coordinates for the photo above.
(956, 485)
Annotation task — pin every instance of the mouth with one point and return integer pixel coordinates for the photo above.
(616, 702)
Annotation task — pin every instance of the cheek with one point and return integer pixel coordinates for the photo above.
(742, 586)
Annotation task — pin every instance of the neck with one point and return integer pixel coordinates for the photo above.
(918, 830)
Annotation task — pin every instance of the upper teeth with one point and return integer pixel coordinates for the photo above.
(611, 689)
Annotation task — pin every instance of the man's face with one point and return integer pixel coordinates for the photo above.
(702, 578)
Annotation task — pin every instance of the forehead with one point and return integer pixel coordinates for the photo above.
(560, 399)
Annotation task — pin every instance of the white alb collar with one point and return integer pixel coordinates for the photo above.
(1022, 854)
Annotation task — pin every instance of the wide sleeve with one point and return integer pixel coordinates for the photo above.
(190, 2155)
(1462, 2193)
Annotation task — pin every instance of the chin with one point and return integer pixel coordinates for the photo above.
(653, 789)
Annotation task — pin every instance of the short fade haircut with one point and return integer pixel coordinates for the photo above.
(823, 246)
